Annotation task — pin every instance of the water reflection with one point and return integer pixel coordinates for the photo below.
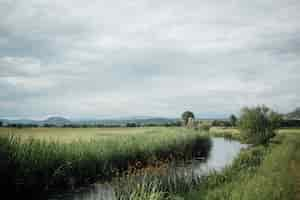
(222, 153)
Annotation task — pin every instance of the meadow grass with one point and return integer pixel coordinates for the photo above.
(37, 164)
(229, 133)
(71, 134)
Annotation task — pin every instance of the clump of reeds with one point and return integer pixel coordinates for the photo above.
(37, 165)
(173, 184)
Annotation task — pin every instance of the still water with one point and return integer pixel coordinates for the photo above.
(221, 154)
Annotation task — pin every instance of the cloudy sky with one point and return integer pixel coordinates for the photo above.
(115, 58)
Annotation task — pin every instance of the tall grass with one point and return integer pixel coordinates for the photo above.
(36, 165)
(229, 133)
(190, 186)
(167, 181)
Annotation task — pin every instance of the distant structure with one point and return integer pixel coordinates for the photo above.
(190, 123)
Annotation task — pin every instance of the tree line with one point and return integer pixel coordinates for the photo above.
(257, 124)
(129, 125)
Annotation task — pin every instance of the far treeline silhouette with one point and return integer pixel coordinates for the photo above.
(290, 120)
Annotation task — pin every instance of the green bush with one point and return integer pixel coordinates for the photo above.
(258, 124)
(233, 120)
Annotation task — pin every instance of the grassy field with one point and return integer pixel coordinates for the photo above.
(38, 159)
(71, 134)
(230, 133)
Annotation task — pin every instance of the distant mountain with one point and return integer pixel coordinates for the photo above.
(58, 121)
(4, 121)
(19, 121)
(122, 121)
(294, 115)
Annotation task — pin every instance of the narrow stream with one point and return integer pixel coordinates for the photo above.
(222, 153)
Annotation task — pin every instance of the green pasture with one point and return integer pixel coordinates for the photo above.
(71, 134)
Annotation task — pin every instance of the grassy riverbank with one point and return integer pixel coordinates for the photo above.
(35, 164)
(258, 173)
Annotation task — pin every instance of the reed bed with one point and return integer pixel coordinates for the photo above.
(187, 185)
(35, 165)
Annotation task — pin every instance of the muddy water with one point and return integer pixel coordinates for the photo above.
(222, 153)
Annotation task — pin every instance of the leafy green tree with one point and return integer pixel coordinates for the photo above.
(186, 116)
(233, 120)
(258, 124)
(276, 119)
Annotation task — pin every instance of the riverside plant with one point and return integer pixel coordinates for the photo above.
(36, 165)
(166, 178)
(175, 185)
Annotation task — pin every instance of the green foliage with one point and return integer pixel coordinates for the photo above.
(188, 186)
(271, 180)
(228, 133)
(144, 191)
(186, 115)
(39, 164)
(258, 124)
(290, 123)
(233, 120)
(221, 123)
(204, 126)
(258, 173)
(131, 125)
(169, 185)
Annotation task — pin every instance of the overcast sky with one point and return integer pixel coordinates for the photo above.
(93, 58)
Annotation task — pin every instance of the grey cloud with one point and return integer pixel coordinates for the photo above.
(116, 58)
(16, 66)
